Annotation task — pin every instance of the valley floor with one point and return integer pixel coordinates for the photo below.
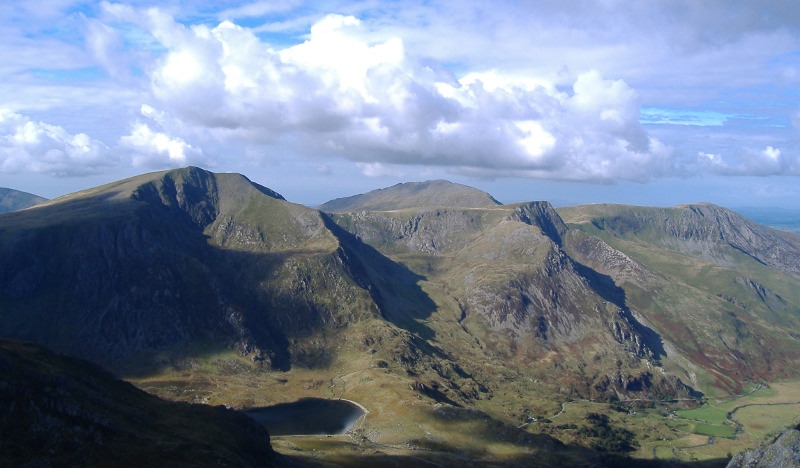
(403, 427)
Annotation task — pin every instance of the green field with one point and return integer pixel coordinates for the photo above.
(762, 412)
(714, 430)
(708, 414)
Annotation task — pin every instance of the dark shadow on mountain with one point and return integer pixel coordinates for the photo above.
(393, 286)
(254, 319)
(605, 287)
(118, 281)
(63, 411)
(563, 458)
(543, 450)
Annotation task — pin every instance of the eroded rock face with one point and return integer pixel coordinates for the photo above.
(519, 291)
(783, 453)
(704, 231)
(158, 262)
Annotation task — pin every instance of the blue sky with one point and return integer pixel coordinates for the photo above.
(650, 103)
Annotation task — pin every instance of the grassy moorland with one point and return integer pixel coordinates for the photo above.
(483, 333)
(400, 425)
(726, 425)
(403, 426)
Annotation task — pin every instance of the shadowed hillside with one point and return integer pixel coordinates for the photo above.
(412, 301)
(60, 411)
(180, 259)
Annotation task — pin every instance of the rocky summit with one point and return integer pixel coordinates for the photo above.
(447, 314)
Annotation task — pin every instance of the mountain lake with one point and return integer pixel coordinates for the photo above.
(309, 416)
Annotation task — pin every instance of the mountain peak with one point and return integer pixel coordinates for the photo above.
(12, 200)
(429, 193)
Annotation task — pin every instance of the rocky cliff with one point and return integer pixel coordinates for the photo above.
(168, 260)
(783, 453)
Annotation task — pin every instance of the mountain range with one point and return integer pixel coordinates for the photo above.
(432, 293)
(12, 200)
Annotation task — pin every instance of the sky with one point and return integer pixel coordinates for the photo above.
(653, 103)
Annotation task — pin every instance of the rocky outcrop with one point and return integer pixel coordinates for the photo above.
(704, 231)
(783, 453)
(155, 263)
(543, 216)
(428, 231)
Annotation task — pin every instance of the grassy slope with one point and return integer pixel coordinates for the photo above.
(378, 367)
(407, 347)
(413, 194)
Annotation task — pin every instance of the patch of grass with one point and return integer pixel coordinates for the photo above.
(706, 414)
(663, 452)
(766, 421)
(713, 430)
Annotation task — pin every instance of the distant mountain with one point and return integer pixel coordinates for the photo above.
(417, 295)
(12, 200)
(432, 193)
(705, 231)
(61, 411)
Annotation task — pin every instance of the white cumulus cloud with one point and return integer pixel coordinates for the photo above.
(30, 146)
(762, 162)
(150, 148)
(373, 103)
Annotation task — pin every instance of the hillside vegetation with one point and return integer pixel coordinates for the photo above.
(431, 304)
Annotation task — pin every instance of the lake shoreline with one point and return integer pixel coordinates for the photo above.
(310, 416)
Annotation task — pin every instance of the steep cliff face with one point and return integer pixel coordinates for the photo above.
(518, 294)
(704, 231)
(170, 259)
(60, 411)
(784, 452)
(105, 281)
(716, 286)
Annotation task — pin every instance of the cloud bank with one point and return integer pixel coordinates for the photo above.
(29, 146)
(383, 96)
(372, 103)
